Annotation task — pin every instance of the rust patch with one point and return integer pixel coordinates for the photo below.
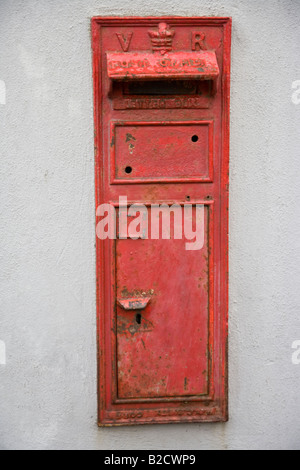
(129, 327)
(186, 383)
(129, 137)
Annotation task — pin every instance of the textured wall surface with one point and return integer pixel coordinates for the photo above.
(47, 254)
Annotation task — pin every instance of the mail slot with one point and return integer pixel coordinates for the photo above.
(161, 88)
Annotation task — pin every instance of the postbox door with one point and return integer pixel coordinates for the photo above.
(163, 337)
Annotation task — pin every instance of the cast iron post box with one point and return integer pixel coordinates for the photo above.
(162, 142)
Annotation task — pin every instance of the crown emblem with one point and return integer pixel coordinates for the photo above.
(162, 39)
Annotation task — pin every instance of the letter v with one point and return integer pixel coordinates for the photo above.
(125, 40)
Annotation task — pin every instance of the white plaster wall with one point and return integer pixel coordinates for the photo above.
(47, 255)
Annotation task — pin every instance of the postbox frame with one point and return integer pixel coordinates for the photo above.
(131, 414)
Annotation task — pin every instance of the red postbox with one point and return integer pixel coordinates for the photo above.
(162, 147)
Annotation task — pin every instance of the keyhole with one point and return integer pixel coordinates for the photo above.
(138, 318)
(195, 138)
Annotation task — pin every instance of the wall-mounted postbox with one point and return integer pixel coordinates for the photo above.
(162, 143)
